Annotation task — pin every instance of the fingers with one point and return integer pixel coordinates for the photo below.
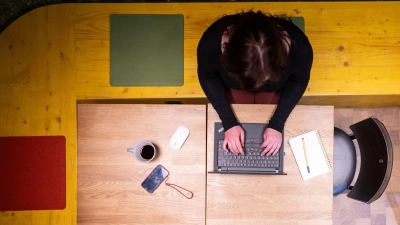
(241, 142)
(224, 145)
(234, 140)
(272, 142)
(235, 146)
(271, 148)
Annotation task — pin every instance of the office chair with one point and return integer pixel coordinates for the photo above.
(376, 154)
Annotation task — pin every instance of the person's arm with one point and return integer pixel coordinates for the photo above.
(211, 83)
(292, 93)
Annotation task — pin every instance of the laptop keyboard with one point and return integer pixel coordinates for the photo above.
(252, 157)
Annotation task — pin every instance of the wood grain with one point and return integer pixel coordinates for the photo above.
(37, 92)
(63, 49)
(353, 51)
(109, 177)
(272, 199)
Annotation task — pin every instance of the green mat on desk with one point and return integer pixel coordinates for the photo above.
(299, 22)
(146, 50)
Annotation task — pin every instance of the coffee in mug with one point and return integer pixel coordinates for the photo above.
(147, 152)
(144, 151)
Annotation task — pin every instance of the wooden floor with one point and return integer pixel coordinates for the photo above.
(54, 56)
(386, 210)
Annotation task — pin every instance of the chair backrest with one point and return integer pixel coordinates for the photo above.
(376, 160)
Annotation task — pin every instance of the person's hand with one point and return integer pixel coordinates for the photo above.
(234, 138)
(272, 142)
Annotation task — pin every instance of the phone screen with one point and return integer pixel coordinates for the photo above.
(155, 178)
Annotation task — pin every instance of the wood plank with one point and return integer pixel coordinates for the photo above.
(109, 177)
(39, 96)
(352, 101)
(275, 199)
(358, 49)
(15, 79)
(372, 59)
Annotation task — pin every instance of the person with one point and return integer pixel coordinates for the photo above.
(251, 54)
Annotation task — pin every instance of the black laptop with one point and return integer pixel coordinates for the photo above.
(252, 162)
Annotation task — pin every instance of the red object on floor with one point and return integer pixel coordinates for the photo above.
(32, 173)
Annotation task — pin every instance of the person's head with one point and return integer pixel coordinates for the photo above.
(255, 52)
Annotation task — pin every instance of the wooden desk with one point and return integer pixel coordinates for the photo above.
(109, 177)
(46, 71)
(270, 199)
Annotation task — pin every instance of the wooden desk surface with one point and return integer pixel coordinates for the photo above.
(270, 199)
(109, 177)
(55, 55)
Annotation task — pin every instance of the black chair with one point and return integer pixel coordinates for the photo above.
(376, 154)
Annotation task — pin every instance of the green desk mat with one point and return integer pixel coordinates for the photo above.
(146, 50)
(299, 22)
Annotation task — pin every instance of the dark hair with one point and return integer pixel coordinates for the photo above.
(255, 52)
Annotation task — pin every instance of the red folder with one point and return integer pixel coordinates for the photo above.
(32, 173)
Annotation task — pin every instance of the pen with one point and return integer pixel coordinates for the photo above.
(305, 154)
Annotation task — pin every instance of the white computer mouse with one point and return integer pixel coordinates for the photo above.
(179, 137)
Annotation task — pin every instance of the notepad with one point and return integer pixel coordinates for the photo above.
(312, 154)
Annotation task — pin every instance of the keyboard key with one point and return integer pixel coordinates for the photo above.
(252, 157)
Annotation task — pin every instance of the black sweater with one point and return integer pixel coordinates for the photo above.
(213, 78)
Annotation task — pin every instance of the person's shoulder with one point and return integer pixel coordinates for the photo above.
(301, 50)
(210, 41)
(218, 26)
(300, 39)
(224, 20)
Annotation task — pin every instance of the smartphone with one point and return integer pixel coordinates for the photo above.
(156, 177)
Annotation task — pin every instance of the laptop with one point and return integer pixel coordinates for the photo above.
(252, 162)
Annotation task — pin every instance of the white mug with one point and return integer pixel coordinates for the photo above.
(144, 151)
